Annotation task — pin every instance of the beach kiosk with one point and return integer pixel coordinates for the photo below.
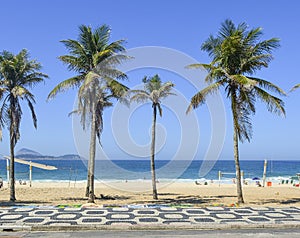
(30, 164)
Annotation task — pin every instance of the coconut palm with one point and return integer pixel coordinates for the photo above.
(237, 53)
(154, 91)
(17, 74)
(93, 57)
(93, 98)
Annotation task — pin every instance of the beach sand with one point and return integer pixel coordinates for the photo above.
(139, 192)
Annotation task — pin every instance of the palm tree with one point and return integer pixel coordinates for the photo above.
(154, 91)
(237, 53)
(17, 73)
(93, 58)
(93, 98)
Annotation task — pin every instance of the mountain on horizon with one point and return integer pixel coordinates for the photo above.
(29, 154)
(25, 151)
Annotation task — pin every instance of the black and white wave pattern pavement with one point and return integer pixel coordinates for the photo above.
(49, 216)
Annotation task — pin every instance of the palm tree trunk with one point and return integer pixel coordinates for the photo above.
(12, 162)
(88, 184)
(92, 159)
(237, 167)
(153, 154)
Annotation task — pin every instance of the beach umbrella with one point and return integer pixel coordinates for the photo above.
(255, 178)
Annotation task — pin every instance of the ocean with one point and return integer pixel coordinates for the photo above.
(184, 171)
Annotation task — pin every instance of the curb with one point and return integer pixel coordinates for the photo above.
(15, 228)
(150, 227)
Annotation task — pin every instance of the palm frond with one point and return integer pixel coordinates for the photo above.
(269, 86)
(74, 112)
(210, 45)
(87, 39)
(243, 81)
(33, 78)
(3, 116)
(111, 61)
(247, 99)
(110, 73)
(228, 29)
(4, 112)
(74, 47)
(274, 104)
(65, 85)
(241, 118)
(195, 66)
(199, 98)
(33, 115)
(15, 119)
(77, 64)
(255, 62)
(295, 87)
(160, 110)
(102, 35)
(165, 90)
(140, 96)
(266, 46)
(214, 73)
(252, 36)
(116, 46)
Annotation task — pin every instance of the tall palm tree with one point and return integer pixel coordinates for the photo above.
(237, 53)
(93, 57)
(17, 74)
(93, 98)
(154, 91)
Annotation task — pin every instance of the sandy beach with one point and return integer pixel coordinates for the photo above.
(139, 192)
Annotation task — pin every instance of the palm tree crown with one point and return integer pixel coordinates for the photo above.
(92, 56)
(154, 91)
(17, 73)
(236, 56)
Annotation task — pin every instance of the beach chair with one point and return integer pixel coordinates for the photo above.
(1, 182)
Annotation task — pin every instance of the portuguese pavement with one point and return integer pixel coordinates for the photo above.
(145, 217)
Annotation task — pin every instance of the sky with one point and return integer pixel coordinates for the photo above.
(167, 26)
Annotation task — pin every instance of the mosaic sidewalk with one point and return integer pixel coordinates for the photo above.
(209, 217)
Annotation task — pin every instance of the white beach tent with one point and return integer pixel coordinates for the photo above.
(31, 164)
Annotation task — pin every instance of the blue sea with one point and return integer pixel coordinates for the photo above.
(184, 171)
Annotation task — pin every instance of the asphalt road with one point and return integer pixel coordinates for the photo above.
(257, 233)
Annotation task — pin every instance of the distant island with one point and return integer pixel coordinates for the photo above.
(28, 154)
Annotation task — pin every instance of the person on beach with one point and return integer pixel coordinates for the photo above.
(258, 183)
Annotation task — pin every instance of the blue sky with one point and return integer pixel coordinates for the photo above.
(180, 25)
